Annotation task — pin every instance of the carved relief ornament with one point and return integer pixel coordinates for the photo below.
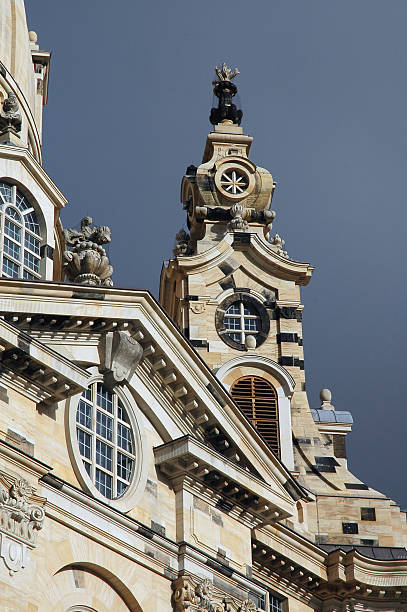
(120, 354)
(201, 597)
(197, 307)
(21, 518)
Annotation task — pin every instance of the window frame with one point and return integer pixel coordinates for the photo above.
(244, 299)
(20, 220)
(139, 473)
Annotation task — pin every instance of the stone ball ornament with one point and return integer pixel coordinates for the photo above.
(325, 395)
(250, 342)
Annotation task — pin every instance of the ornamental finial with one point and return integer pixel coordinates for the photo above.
(10, 117)
(87, 262)
(225, 73)
(225, 90)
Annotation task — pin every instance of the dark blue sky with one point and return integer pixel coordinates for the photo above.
(324, 93)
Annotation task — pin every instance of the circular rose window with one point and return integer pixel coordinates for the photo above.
(234, 182)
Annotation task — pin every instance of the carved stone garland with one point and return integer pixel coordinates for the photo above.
(20, 521)
(202, 598)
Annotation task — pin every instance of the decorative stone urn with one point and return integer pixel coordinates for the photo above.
(87, 263)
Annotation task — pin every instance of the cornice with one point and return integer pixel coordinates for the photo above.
(269, 261)
(187, 456)
(285, 556)
(38, 173)
(35, 369)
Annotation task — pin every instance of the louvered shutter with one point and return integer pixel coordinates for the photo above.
(257, 399)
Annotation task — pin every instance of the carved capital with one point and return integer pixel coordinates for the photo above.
(21, 518)
(120, 354)
(204, 597)
(184, 594)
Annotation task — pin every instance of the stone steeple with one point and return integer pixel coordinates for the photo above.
(235, 293)
(227, 191)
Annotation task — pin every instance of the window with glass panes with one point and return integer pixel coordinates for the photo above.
(105, 440)
(20, 235)
(276, 604)
(241, 319)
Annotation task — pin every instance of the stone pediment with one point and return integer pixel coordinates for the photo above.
(260, 254)
(195, 401)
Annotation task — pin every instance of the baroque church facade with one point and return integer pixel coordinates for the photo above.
(162, 456)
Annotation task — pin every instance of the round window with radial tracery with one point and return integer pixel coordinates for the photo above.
(234, 182)
(105, 440)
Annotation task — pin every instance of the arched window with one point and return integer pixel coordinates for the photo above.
(20, 235)
(105, 439)
(257, 399)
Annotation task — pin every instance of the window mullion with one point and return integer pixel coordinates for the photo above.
(94, 409)
(242, 336)
(115, 416)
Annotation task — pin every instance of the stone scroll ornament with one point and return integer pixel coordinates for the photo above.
(201, 597)
(87, 263)
(21, 518)
(10, 117)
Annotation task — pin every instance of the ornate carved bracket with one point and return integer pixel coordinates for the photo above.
(120, 354)
(20, 520)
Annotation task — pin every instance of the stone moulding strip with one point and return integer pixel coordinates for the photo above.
(36, 170)
(96, 515)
